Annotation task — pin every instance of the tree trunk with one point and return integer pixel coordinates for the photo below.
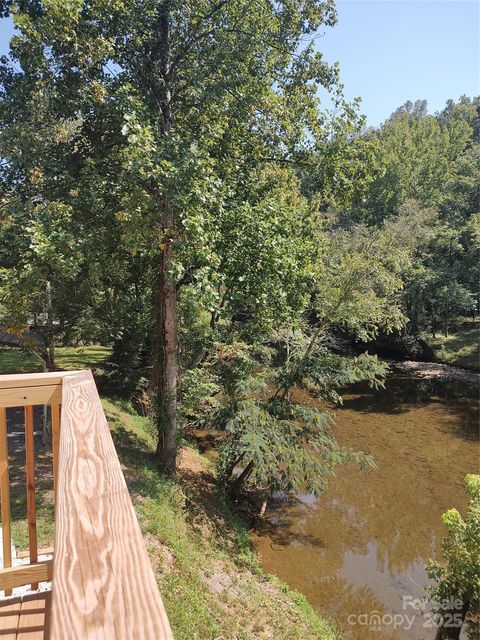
(231, 468)
(263, 508)
(165, 356)
(49, 356)
(46, 349)
(238, 483)
(165, 365)
(50, 333)
(433, 321)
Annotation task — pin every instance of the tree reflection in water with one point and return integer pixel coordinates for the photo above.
(365, 543)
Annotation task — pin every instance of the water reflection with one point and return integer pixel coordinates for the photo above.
(363, 545)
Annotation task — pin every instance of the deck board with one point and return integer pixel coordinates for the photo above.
(25, 618)
(9, 614)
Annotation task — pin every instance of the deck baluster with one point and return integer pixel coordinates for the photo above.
(55, 409)
(5, 494)
(31, 505)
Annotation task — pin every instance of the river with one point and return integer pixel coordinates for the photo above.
(358, 553)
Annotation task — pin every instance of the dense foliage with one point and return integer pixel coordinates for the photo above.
(429, 165)
(456, 590)
(171, 187)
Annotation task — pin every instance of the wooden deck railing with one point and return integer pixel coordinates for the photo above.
(103, 585)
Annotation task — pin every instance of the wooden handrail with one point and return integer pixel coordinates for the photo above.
(23, 380)
(103, 584)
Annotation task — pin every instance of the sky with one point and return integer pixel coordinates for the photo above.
(391, 51)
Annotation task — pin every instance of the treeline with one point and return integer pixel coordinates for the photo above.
(429, 173)
(171, 187)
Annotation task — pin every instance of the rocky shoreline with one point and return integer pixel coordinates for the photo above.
(436, 371)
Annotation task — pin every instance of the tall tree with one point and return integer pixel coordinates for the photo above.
(176, 102)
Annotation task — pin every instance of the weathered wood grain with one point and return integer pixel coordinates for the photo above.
(5, 494)
(25, 574)
(30, 473)
(103, 584)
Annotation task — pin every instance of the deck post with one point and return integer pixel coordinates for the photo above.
(5, 495)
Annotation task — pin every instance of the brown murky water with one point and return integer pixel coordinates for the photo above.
(358, 553)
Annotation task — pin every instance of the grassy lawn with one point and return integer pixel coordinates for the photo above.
(16, 361)
(460, 349)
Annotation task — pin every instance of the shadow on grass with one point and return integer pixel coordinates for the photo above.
(17, 361)
(87, 357)
(460, 348)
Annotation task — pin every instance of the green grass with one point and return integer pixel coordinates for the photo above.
(14, 360)
(87, 357)
(460, 349)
